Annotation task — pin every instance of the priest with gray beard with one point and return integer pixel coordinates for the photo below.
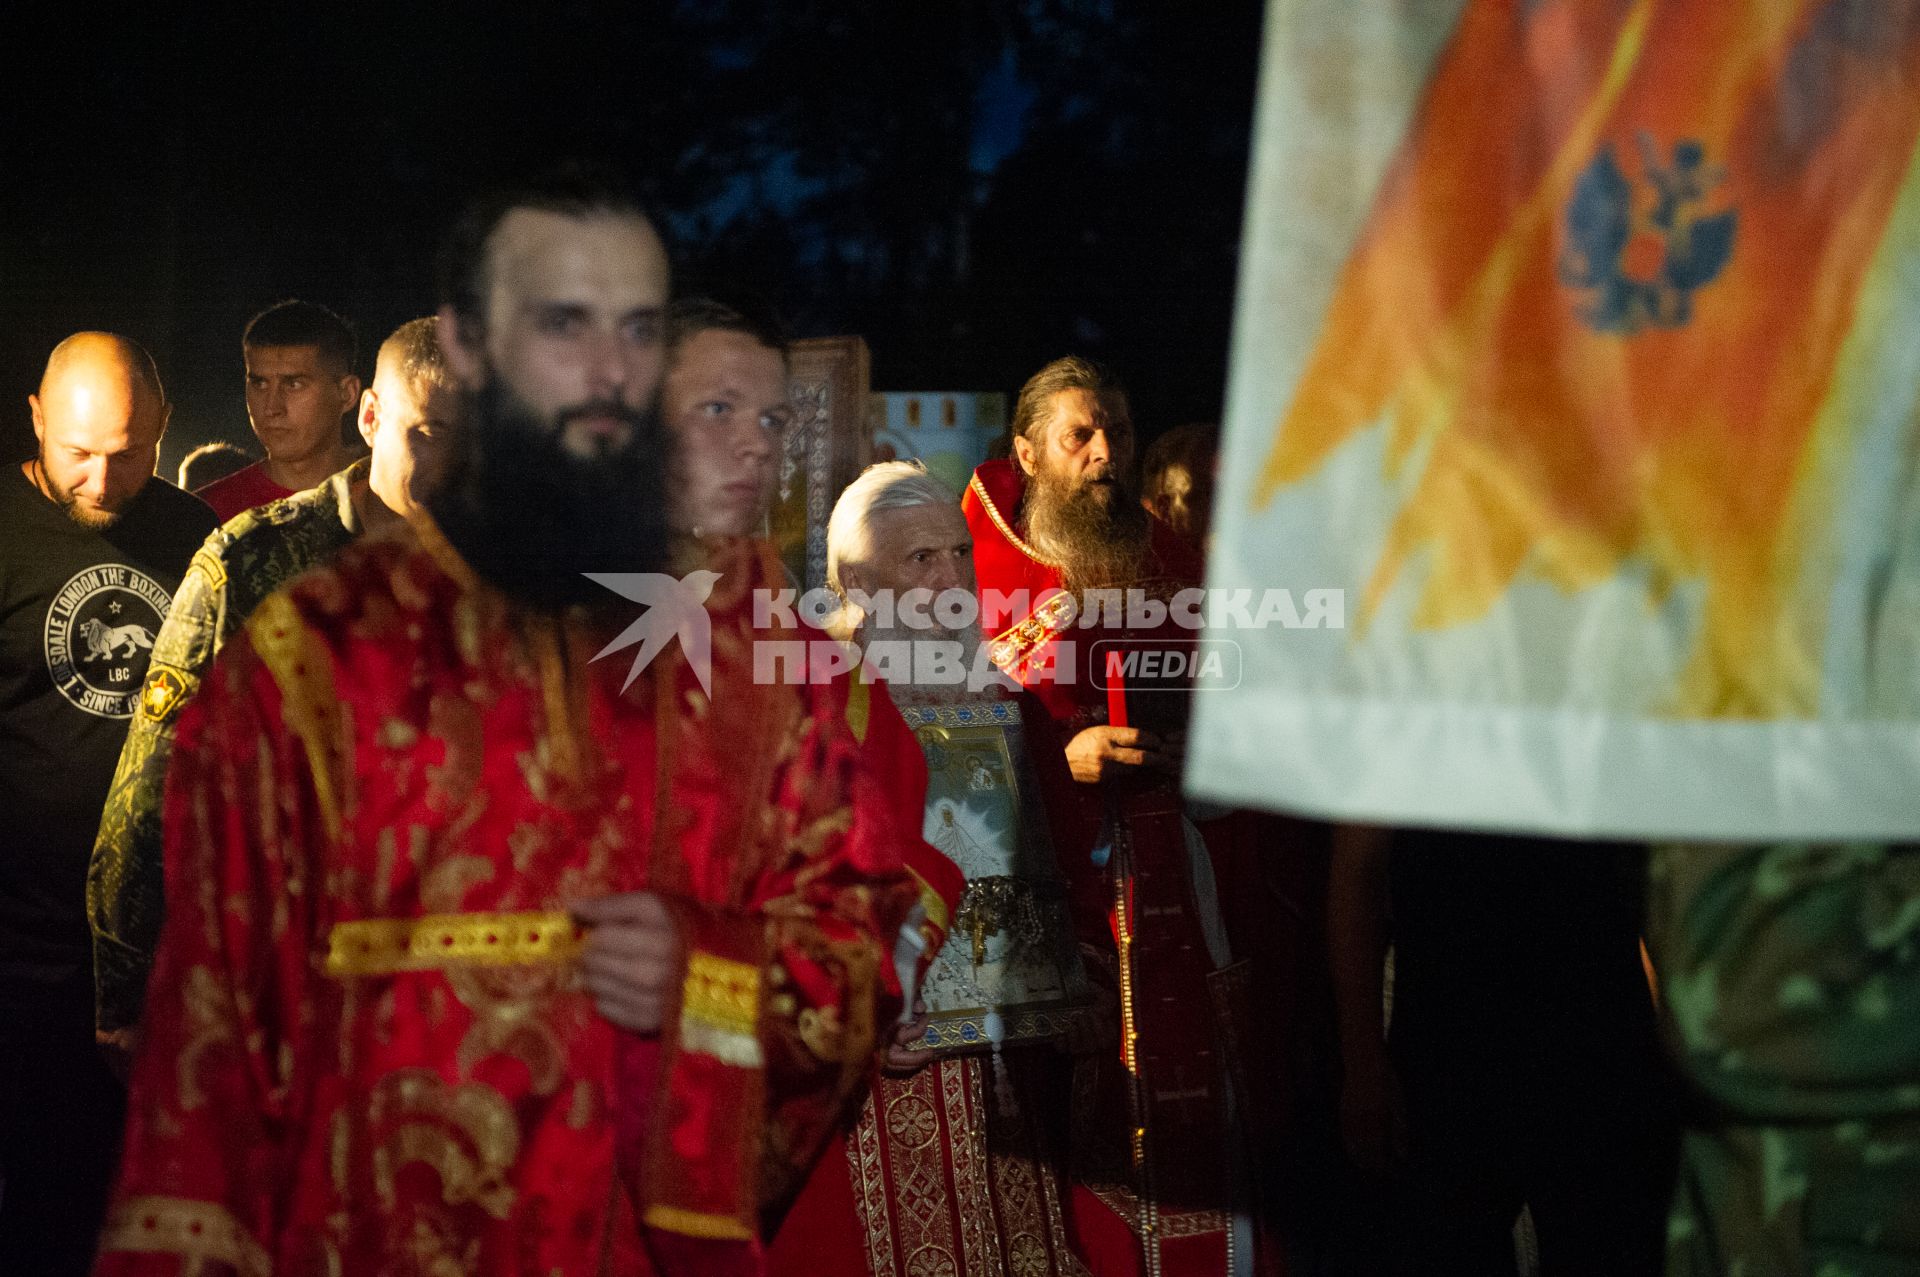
(975, 1091)
(1164, 1168)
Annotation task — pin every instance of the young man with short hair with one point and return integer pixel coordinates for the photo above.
(300, 383)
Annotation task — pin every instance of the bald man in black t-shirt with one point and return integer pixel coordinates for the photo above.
(92, 546)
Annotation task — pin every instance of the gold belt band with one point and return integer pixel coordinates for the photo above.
(675, 1219)
(381, 946)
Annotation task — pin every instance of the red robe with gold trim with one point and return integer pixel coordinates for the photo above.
(368, 1051)
(1160, 1203)
(936, 1175)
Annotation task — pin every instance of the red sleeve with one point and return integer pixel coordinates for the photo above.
(208, 1148)
(832, 922)
(893, 756)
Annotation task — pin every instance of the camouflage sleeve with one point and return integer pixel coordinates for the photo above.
(124, 902)
(1791, 982)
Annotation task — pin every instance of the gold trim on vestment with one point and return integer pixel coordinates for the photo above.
(303, 670)
(198, 1232)
(934, 1191)
(696, 1224)
(859, 705)
(381, 946)
(1006, 529)
(938, 916)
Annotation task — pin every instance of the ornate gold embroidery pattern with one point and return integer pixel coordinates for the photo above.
(1006, 529)
(303, 671)
(513, 1012)
(444, 887)
(720, 1009)
(210, 1015)
(1017, 1189)
(467, 1134)
(1027, 1194)
(1194, 1223)
(198, 1232)
(1015, 644)
(962, 1096)
(870, 1201)
(899, 1114)
(920, 1129)
(382, 946)
(455, 722)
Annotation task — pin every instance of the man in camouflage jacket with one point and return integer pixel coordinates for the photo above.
(404, 417)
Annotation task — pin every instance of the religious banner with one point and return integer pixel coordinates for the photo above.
(1009, 970)
(826, 446)
(1575, 369)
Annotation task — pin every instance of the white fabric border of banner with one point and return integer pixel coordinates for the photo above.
(1570, 772)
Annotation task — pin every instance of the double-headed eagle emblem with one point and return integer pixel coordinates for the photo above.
(1602, 222)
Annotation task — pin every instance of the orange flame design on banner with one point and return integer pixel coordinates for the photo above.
(1550, 445)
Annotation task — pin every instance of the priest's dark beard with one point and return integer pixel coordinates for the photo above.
(1098, 532)
(529, 517)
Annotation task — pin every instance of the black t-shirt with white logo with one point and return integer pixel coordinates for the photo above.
(79, 610)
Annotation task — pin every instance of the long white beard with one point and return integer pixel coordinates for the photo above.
(918, 662)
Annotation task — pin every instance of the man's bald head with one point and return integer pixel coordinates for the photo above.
(95, 358)
(99, 416)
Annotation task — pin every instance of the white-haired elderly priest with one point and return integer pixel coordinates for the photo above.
(974, 1100)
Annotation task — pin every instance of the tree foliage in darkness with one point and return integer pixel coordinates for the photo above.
(975, 187)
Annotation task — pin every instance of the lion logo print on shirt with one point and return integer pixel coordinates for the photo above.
(99, 634)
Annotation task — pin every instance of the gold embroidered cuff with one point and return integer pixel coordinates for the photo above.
(1010, 648)
(381, 946)
(720, 1010)
(200, 1232)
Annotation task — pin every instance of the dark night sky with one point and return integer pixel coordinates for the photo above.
(974, 187)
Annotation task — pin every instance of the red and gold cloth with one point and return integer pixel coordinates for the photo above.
(368, 1049)
(935, 1177)
(1151, 1190)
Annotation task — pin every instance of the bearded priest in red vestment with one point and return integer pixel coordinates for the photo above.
(1163, 1176)
(485, 954)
